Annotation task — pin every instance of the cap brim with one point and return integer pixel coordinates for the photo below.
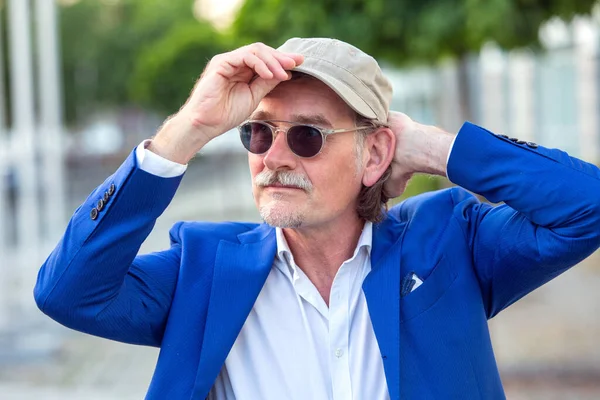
(342, 90)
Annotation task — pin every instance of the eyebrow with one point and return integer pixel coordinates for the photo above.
(313, 119)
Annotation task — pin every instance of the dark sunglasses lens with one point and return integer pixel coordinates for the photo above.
(256, 137)
(304, 140)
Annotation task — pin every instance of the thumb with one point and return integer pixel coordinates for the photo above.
(260, 87)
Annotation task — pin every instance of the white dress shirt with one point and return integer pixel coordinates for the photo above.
(292, 346)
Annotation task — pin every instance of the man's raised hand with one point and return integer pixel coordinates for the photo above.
(229, 90)
(419, 149)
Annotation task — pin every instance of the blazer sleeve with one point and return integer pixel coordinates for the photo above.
(94, 282)
(549, 222)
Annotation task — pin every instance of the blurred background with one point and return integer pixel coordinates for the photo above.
(82, 82)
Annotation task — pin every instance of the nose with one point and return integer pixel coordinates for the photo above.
(279, 156)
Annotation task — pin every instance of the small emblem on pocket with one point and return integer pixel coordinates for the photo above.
(409, 283)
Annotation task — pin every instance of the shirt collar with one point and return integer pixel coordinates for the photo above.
(285, 256)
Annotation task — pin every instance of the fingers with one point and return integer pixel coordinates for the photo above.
(260, 87)
(395, 185)
(289, 60)
(264, 61)
(277, 62)
(274, 65)
(398, 118)
(258, 65)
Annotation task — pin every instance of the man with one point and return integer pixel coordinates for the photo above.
(331, 298)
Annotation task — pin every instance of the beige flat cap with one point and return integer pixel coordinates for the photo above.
(354, 75)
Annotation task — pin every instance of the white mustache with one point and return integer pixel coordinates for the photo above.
(267, 178)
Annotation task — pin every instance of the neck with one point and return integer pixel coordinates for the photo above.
(320, 251)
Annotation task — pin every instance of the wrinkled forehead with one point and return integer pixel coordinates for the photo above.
(301, 97)
(312, 118)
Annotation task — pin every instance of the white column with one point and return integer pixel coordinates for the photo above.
(50, 121)
(586, 59)
(492, 64)
(4, 164)
(521, 76)
(23, 149)
(448, 110)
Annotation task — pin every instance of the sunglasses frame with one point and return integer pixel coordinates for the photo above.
(274, 129)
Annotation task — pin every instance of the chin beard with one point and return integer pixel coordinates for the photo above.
(280, 219)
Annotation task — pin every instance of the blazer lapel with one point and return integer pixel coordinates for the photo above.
(382, 291)
(241, 270)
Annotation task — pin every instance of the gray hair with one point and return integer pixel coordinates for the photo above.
(372, 200)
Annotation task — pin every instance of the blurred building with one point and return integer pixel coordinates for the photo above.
(548, 97)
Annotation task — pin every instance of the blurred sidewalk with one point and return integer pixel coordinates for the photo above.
(546, 344)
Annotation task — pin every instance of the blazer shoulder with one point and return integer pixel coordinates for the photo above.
(435, 204)
(210, 230)
(430, 220)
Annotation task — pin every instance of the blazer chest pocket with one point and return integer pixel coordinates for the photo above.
(425, 296)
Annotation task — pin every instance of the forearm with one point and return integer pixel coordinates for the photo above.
(429, 149)
(90, 270)
(548, 186)
(178, 139)
(419, 149)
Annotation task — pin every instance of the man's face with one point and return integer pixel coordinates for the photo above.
(331, 180)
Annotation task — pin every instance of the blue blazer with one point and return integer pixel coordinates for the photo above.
(475, 260)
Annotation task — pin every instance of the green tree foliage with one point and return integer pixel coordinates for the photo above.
(404, 31)
(409, 31)
(166, 71)
(147, 52)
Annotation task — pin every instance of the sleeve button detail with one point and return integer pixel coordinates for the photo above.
(100, 205)
(532, 145)
(111, 189)
(94, 214)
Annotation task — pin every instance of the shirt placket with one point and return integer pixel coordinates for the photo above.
(338, 336)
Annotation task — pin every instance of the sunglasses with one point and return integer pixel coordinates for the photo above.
(304, 140)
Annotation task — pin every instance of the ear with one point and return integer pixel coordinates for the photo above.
(378, 154)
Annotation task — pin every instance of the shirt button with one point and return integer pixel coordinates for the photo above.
(339, 353)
